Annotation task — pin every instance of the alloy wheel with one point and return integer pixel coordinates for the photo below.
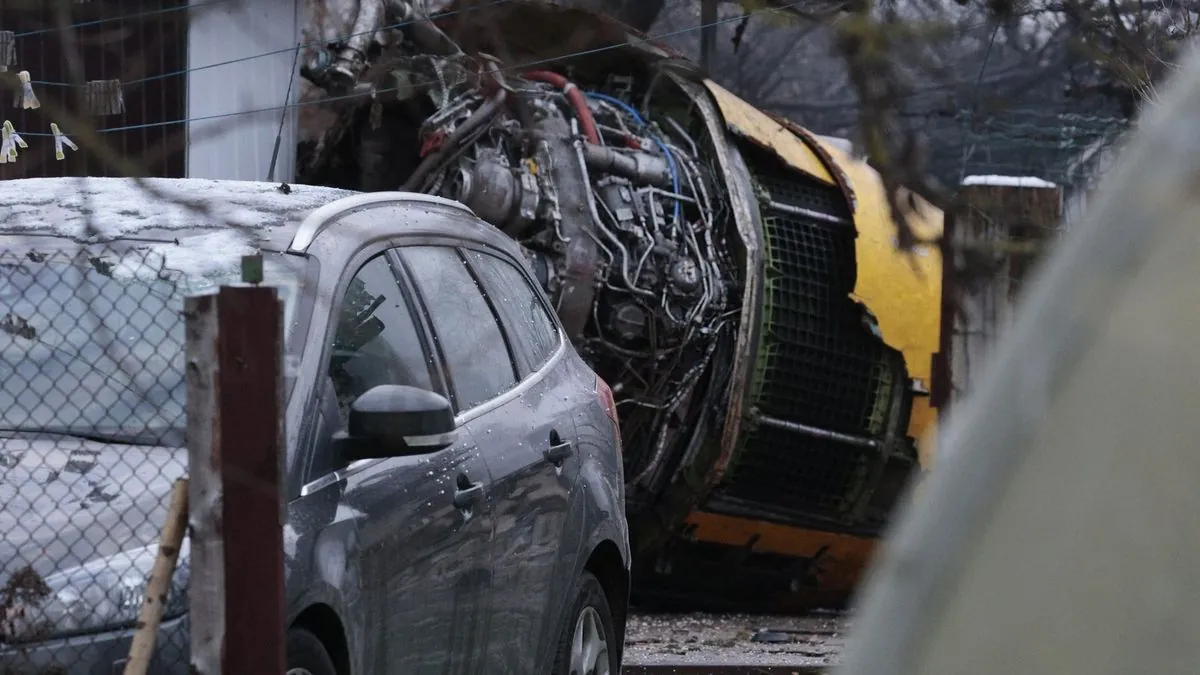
(589, 645)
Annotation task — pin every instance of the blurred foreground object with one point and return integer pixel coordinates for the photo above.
(1053, 537)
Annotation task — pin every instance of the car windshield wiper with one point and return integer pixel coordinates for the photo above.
(87, 435)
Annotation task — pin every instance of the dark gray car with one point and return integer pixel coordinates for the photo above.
(496, 543)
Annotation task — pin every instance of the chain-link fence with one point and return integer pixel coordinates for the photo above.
(1065, 148)
(92, 421)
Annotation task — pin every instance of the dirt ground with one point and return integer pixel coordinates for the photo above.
(717, 639)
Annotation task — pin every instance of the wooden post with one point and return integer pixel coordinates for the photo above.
(206, 584)
(994, 237)
(235, 346)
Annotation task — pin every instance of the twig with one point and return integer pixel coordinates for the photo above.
(159, 584)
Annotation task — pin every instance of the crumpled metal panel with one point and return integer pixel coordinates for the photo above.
(810, 139)
(756, 126)
(903, 292)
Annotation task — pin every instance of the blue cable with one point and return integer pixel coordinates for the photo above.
(671, 167)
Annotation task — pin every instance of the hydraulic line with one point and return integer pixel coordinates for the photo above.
(575, 96)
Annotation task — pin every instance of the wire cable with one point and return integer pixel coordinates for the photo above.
(286, 50)
(123, 17)
(386, 90)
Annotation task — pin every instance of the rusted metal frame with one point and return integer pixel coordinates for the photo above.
(235, 398)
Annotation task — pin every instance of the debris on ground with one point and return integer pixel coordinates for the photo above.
(815, 639)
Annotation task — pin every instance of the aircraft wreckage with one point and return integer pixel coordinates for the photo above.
(731, 275)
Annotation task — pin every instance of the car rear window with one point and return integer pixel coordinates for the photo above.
(532, 332)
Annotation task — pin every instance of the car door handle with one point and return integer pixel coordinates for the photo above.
(468, 496)
(558, 452)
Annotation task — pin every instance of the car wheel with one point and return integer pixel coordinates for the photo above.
(587, 644)
(306, 655)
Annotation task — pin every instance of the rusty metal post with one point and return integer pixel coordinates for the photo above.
(235, 345)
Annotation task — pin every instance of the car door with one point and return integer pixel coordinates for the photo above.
(479, 367)
(421, 525)
(529, 442)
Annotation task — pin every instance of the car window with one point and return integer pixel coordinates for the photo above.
(531, 331)
(376, 341)
(463, 323)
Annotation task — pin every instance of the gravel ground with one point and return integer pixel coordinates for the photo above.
(733, 639)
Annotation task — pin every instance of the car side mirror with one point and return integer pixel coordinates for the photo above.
(393, 420)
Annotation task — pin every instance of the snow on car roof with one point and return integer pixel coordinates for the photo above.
(119, 207)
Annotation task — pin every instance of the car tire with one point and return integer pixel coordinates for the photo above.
(587, 643)
(306, 654)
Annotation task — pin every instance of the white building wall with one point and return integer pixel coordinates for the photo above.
(222, 144)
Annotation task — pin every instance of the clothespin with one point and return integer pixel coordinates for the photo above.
(6, 143)
(14, 140)
(60, 139)
(25, 98)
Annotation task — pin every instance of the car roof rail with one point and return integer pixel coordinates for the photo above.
(315, 222)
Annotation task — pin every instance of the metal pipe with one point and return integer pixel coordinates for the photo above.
(817, 432)
(671, 122)
(483, 115)
(807, 213)
(599, 224)
(351, 60)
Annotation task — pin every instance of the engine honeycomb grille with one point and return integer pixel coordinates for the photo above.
(818, 362)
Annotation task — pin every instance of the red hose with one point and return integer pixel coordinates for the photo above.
(575, 96)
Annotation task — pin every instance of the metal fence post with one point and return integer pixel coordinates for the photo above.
(235, 344)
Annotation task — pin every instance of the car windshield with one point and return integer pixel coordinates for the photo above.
(92, 342)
